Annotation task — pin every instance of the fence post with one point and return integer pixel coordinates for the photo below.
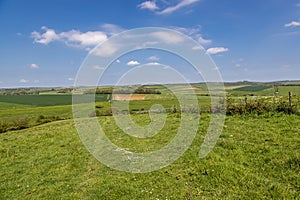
(291, 101)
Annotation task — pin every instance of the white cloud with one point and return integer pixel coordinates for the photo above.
(153, 58)
(106, 49)
(34, 66)
(70, 79)
(168, 37)
(216, 50)
(292, 24)
(73, 38)
(298, 4)
(133, 63)
(24, 81)
(197, 48)
(112, 29)
(97, 67)
(48, 36)
(201, 40)
(118, 61)
(149, 5)
(76, 38)
(237, 65)
(153, 64)
(181, 4)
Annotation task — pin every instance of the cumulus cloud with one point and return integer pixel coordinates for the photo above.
(149, 5)
(168, 37)
(216, 50)
(106, 49)
(111, 29)
(292, 24)
(153, 58)
(133, 63)
(24, 81)
(72, 38)
(34, 66)
(118, 61)
(181, 4)
(70, 79)
(77, 38)
(153, 64)
(48, 36)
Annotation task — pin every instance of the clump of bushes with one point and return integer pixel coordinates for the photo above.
(15, 124)
(42, 119)
(4, 125)
(260, 106)
(21, 123)
(99, 105)
(98, 113)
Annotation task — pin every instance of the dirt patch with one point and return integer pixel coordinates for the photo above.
(127, 97)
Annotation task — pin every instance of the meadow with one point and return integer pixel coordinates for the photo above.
(256, 157)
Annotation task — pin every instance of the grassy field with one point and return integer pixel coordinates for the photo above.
(43, 100)
(257, 157)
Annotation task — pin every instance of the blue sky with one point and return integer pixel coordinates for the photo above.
(43, 43)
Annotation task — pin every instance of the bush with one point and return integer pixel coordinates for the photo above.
(42, 119)
(107, 112)
(260, 106)
(21, 123)
(4, 125)
(99, 105)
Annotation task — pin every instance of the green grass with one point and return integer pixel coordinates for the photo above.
(284, 90)
(6, 106)
(256, 157)
(43, 100)
(33, 112)
(253, 88)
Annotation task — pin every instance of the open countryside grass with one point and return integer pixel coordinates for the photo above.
(33, 112)
(44, 100)
(6, 106)
(256, 157)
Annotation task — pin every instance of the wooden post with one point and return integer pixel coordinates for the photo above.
(291, 101)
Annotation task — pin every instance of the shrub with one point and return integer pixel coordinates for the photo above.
(4, 125)
(107, 112)
(42, 119)
(21, 123)
(99, 105)
(260, 106)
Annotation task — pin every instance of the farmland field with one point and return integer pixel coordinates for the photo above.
(256, 157)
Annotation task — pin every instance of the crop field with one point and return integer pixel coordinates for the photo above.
(257, 155)
(43, 100)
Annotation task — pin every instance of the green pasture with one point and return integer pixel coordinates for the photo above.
(256, 157)
(43, 100)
